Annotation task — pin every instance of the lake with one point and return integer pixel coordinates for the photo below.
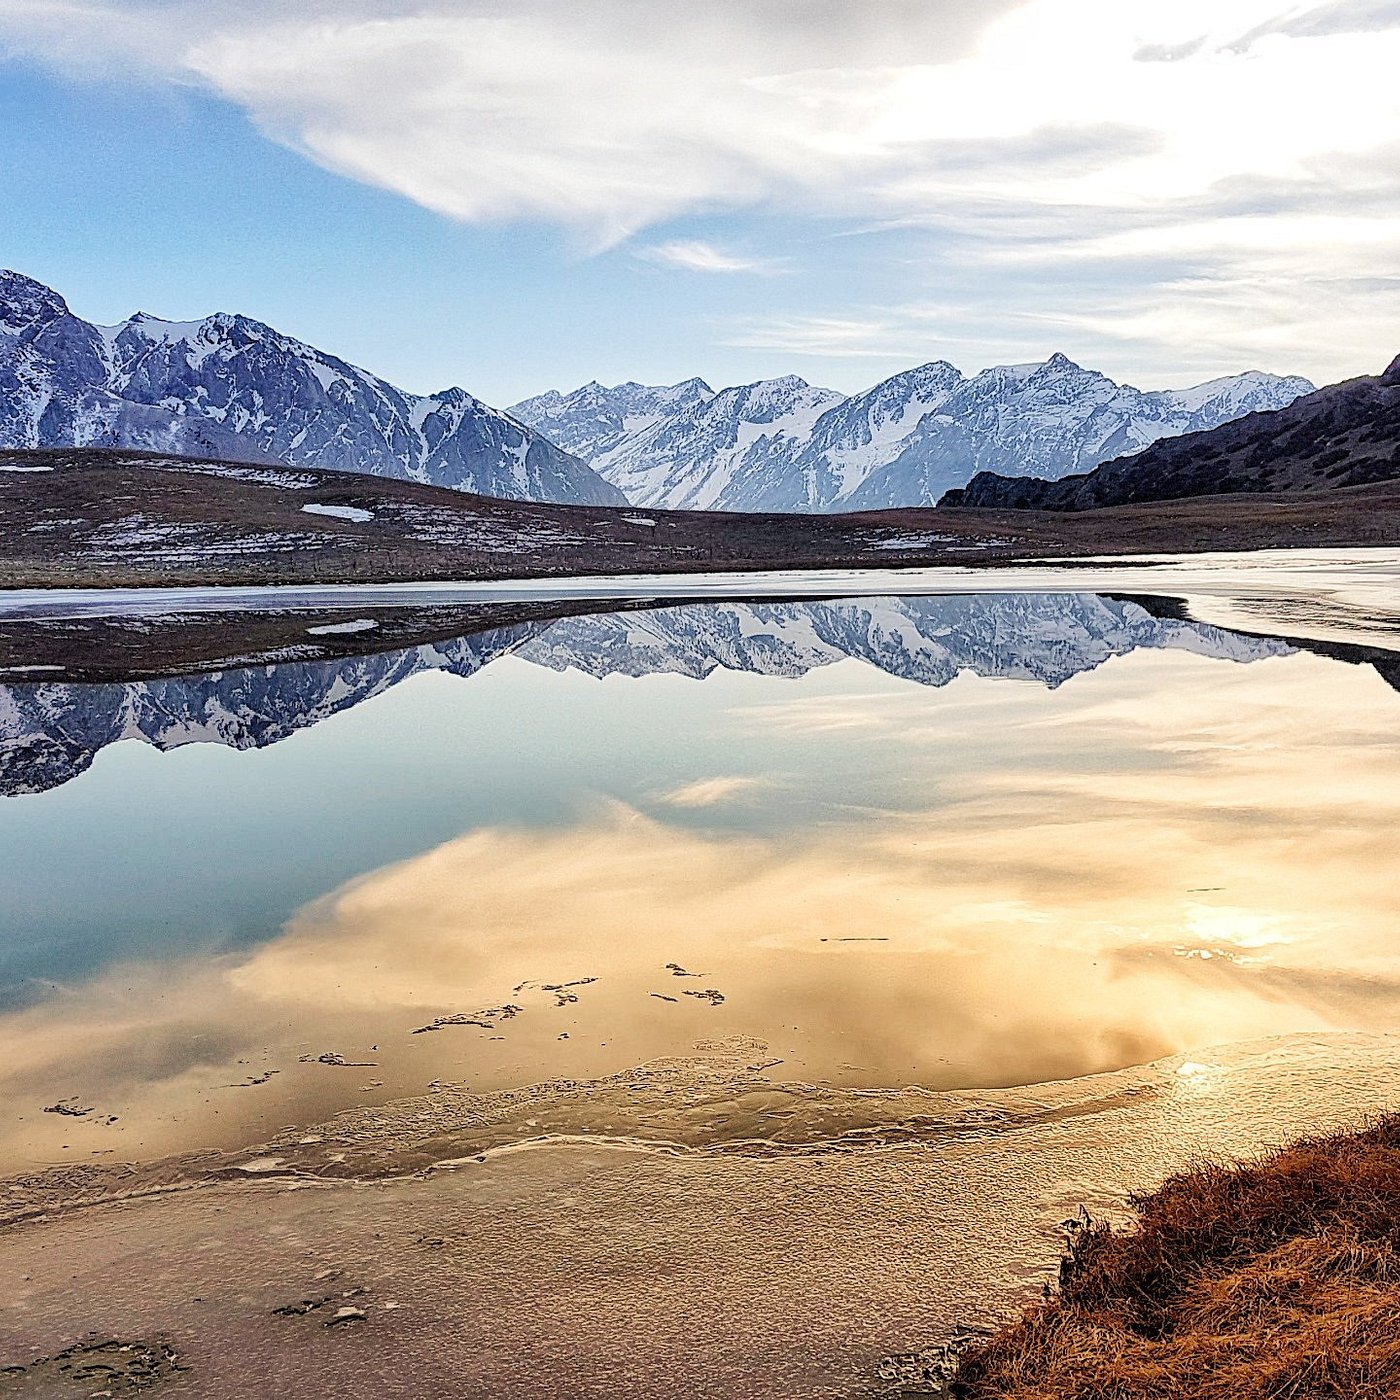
(756, 981)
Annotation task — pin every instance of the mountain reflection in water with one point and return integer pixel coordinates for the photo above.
(856, 881)
(50, 732)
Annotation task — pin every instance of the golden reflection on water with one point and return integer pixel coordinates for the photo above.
(1100, 878)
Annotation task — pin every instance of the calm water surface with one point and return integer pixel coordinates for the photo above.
(959, 843)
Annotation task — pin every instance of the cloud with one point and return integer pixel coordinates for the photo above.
(1170, 53)
(1293, 272)
(1022, 135)
(817, 335)
(692, 255)
(1338, 17)
(606, 117)
(618, 115)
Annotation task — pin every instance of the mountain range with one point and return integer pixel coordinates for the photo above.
(51, 731)
(785, 445)
(231, 387)
(1345, 435)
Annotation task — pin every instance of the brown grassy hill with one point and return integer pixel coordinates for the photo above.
(82, 517)
(1276, 1280)
(1345, 435)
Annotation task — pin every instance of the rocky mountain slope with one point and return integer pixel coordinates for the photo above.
(50, 732)
(231, 387)
(1346, 435)
(783, 445)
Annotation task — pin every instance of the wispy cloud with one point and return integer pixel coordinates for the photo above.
(693, 255)
(826, 336)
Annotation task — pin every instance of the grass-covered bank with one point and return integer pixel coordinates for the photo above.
(1278, 1279)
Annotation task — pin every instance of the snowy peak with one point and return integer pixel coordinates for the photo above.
(785, 405)
(677, 444)
(936, 375)
(594, 420)
(1251, 392)
(453, 400)
(230, 386)
(26, 304)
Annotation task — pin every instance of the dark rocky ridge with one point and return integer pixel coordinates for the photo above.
(1345, 435)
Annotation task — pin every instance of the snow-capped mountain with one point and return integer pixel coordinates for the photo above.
(783, 445)
(684, 446)
(229, 386)
(50, 731)
(1345, 435)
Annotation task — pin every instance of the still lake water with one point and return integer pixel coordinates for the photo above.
(953, 842)
(885, 867)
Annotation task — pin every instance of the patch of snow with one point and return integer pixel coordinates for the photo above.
(910, 541)
(200, 339)
(1015, 372)
(261, 476)
(325, 375)
(108, 336)
(154, 328)
(639, 520)
(140, 529)
(340, 512)
(360, 624)
(17, 467)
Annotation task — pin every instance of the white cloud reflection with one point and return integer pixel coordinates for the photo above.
(711, 792)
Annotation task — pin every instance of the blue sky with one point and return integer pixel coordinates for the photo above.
(514, 197)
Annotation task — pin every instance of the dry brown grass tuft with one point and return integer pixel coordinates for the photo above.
(1275, 1280)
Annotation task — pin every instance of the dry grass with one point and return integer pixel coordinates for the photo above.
(1276, 1280)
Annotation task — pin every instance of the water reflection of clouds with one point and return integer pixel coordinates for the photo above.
(1009, 903)
(713, 792)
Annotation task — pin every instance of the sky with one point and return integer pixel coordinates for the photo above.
(515, 195)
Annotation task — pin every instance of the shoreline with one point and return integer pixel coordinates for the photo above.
(775, 581)
(1340, 603)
